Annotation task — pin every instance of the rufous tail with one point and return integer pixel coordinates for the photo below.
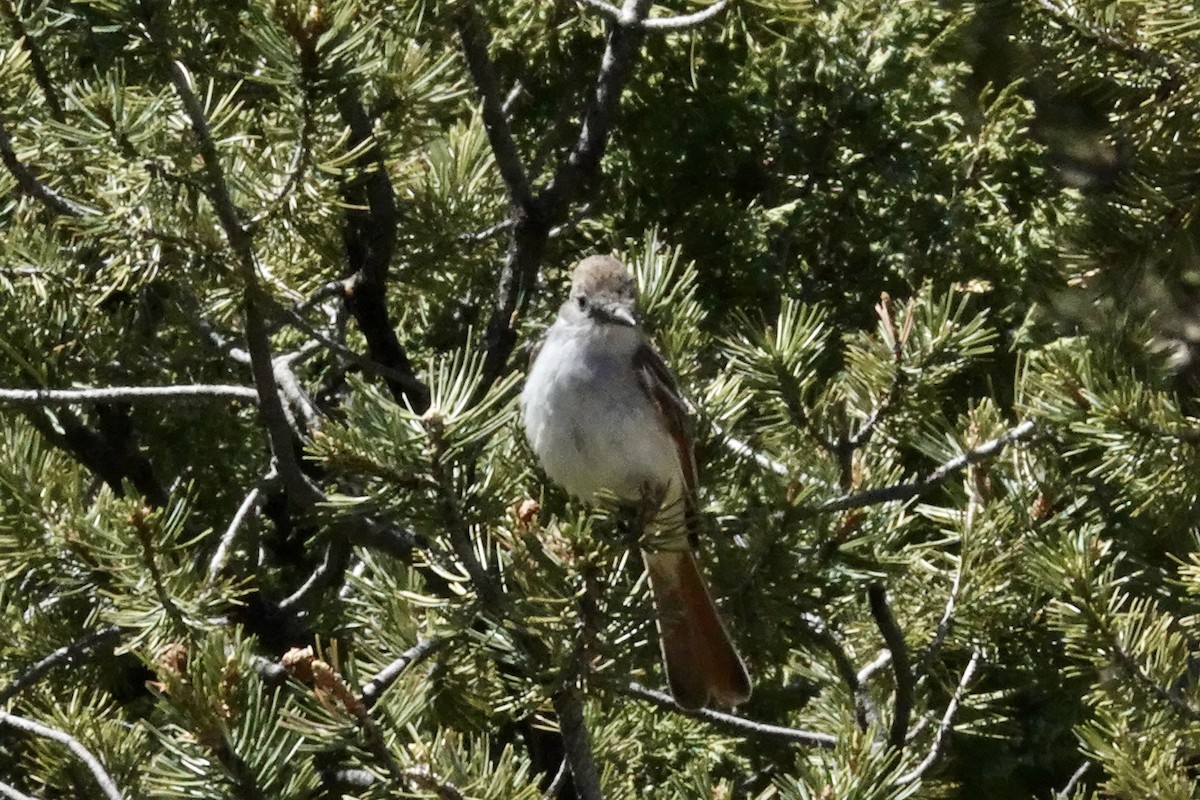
(703, 667)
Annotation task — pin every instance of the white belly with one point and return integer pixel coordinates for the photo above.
(591, 425)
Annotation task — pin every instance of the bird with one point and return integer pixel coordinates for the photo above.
(604, 416)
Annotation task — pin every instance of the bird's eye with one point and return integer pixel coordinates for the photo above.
(581, 301)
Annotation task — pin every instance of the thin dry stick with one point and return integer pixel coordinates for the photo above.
(63, 655)
(389, 674)
(943, 732)
(568, 704)
(10, 792)
(747, 727)
(893, 637)
(82, 753)
(123, 394)
(907, 491)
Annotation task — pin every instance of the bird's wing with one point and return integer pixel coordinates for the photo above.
(656, 380)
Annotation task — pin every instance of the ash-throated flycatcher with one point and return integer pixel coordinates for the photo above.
(603, 414)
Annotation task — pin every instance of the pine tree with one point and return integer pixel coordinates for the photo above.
(271, 272)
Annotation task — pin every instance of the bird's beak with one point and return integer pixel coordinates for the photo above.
(617, 315)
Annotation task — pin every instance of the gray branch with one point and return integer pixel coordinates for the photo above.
(474, 39)
(66, 654)
(1076, 777)
(685, 21)
(568, 704)
(893, 637)
(30, 184)
(907, 491)
(248, 507)
(13, 794)
(258, 342)
(943, 732)
(733, 722)
(82, 753)
(122, 394)
(679, 23)
(389, 674)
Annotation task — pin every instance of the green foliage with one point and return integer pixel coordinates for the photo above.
(926, 274)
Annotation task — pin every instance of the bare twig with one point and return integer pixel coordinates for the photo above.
(607, 9)
(740, 448)
(488, 232)
(375, 688)
(340, 780)
(535, 219)
(685, 21)
(679, 23)
(248, 507)
(82, 753)
(370, 235)
(337, 555)
(568, 704)
(30, 184)
(907, 491)
(557, 782)
(13, 794)
(943, 732)
(40, 73)
(881, 660)
(474, 40)
(407, 380)
(66, 654)
(893, 637)
(509, 99)
(1076, 777)
(279, 431)
(945, 623)
(122, 394)
(732, 722)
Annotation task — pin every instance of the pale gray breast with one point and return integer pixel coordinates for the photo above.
(588, 420)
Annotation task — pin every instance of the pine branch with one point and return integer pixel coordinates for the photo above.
(473, 37)
(305, 666)
(685, 21)
(864, 709)
(30, 184)
(893, 637)
(746, 727)
(13, 794)
(40, 74)
(375, 688)
(82, 753)
(123, 394)
(907, 491)
(67, 654)
(279, 432)
(568, 705)
(942, 736)
(109, 451)
(551, 207)
(1064, 14)
(1076, 778)
(370, 237)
